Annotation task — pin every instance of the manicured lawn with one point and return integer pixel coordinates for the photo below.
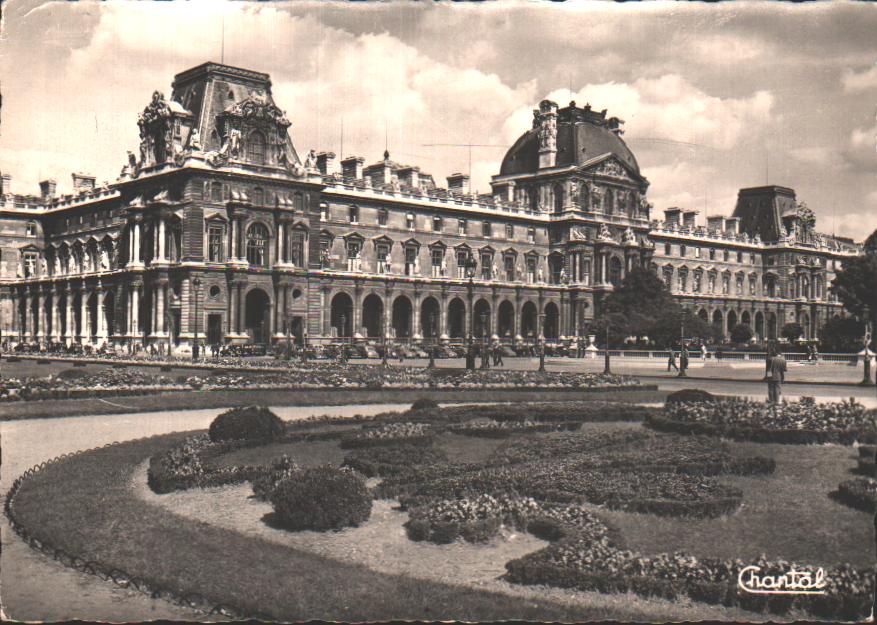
(85, 505)
(785, 515)
(195, 400)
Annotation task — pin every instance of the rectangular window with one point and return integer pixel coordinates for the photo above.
(353, 260)
(697, 252)
(726, 284)
(353, 213)
(216, 192)
(668, 249)
(30, 264)
(325, 252)
(586, 271)
(410, 261)
(510, 268)
(531, 269)
(509, 231)
(462, 227)
(712, 253)
(462, 259)
(682, 250)
(324, 211)
(436, 224)
(486, 229)
(739, 257)
(382, 252)
(486, 266)
(727, 256)
(215, 243)
(382, 216)
(409, 221)
(297, 248)
(696, 285)
(531, 235)
(438, 257)
(739, 285)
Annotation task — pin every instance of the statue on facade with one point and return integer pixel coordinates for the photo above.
(129, 170)
(156, 136)
(597, 197)
(540, 276)
(629, 237)
(56, 265)
(104, 259)
(311, 160)
(195, 139)
(44, 266)
(605, 232)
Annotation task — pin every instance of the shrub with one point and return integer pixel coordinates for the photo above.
(690, 396)
(391, 460)
(424, 403)
(390, 434)
(248, 423)
(859, 493)
(72, 374)
(321, 498)
(265, 485)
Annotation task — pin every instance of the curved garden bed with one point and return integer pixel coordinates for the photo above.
(444, 500)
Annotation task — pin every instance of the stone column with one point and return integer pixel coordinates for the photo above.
(159, 308)
(233, 239)
(279, 307)
(279, 259)
(416, 315)
(43, 318)
(134, 329)
(57, 313)
(100, 309)
(15, 321)
(84, 323)
(443, 314)
(232, 308)
(162, 243)
(27, 317)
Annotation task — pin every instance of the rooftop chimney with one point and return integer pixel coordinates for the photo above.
(689, 218)
(459, 183)
(732, 225)
(715, 223)
(409, 176)
(671, 216)
(325, 161)
(351, 167)
(82, 183)
(47, 189)
(7, 184)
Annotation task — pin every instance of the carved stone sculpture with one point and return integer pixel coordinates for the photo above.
(195, 139)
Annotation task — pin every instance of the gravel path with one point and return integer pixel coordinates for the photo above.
(382, 544)
(36, 588)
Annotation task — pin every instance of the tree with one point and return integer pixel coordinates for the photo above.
(792, 331)
(742, 333)
(842, 334)
(856, 283)
(642, 305)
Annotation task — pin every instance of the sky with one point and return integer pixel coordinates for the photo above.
(715, 97)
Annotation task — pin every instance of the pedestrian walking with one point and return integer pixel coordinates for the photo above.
(683, 358)
(671, 361)
(776, 374)
(497, 359)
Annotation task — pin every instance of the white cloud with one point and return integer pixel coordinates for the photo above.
(857, 82)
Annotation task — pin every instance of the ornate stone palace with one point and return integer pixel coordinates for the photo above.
(219, 229)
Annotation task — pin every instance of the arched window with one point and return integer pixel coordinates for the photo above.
(257, 245)
(584, 198)
(256, 148)
(615, 271)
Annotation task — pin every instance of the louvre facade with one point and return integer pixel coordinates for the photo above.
(219, 228)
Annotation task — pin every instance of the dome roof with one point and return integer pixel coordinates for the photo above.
(582, 135)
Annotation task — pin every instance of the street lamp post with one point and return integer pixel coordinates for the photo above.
(341, 337)
(541, 338)
(471, 265)
(196, 282)
(866, 351)
(607, 368)
(288, 335)
(683, 355)
(485, 363)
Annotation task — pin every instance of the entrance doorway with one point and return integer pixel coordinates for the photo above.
(257, 315)
(214, 329)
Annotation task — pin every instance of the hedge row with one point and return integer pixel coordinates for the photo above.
(391, 460)
(762, 434)
(504, 429)
(859, 493)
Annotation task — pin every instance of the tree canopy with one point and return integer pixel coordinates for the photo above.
(642, 306)
(856, 283)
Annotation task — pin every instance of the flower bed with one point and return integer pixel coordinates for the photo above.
(503, 429)
(581, 411)
(390, 433)
(391, 459)
(124, 381)
(802, 422)
(859, 493)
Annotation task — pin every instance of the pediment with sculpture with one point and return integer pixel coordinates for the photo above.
(613, 168)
